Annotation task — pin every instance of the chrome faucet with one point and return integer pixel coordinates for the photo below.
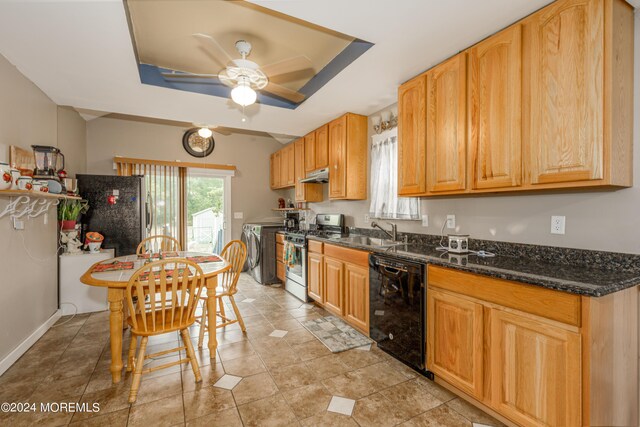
(394, 230)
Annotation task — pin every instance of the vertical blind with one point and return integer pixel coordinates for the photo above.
(162, 184)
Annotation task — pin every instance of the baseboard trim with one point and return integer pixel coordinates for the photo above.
(25, 345)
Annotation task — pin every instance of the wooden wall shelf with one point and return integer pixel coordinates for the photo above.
(38, 194)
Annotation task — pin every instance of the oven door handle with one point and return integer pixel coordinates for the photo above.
(392, 269)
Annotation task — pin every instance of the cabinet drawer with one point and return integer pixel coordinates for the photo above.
(279, 252)
(560, 306)
(352, 256)
(315, 246)
(279, 238)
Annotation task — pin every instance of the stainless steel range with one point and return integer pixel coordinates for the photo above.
(327, 225)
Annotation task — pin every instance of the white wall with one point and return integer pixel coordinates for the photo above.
(603, 220)
(28, 259)
(250, 192)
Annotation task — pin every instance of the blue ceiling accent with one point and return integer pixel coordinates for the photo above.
(152, 75)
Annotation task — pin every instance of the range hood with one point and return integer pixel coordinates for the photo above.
(320, 175)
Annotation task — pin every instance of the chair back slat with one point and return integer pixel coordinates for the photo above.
(154, 244)
(235, 253)
(179, 282)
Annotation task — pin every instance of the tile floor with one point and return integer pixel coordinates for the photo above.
(264, 378)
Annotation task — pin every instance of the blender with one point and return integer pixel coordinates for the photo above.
(47, 159)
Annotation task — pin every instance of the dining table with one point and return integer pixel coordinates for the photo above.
(116, 282)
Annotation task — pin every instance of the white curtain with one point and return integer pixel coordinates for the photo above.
(385, 203)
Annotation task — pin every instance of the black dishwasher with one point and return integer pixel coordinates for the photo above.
(397, 308)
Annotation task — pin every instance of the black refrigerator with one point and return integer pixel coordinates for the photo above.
(123, 223)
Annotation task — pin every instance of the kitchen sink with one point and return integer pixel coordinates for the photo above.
(369, 241)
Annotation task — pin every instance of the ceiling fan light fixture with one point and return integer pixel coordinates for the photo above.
(243, 95)
(205, 132)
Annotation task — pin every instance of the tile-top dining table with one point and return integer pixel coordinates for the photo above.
(116, 282)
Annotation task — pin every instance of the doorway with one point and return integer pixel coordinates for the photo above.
(208, 206)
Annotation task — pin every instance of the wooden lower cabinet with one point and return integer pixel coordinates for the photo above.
(338, 280)
(535, 356)
(334, 285)
(280, 269)
(535, 371)
(356, 284)
(454, 341)
(315, 267)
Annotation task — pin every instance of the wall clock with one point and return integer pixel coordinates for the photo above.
(196, 145)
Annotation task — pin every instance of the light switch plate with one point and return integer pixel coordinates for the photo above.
(367, 218)
(18, 224)
(238, 215)
(425, 220)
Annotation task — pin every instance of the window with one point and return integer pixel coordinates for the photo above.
(385, 203)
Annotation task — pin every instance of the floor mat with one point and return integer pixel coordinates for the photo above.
(335, 334)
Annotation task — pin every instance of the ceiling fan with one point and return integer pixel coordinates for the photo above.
(244, 76)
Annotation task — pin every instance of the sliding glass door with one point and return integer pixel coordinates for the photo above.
(207, 205)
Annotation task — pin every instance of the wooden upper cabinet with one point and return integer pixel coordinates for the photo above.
(322, 147)
(411, 137)
(446, 125)
(348, 157)
(455, 341)
(495, 110)
(299, 153)
(535, 371)
(277, 169)
(565, 59)
(291, 169)
(310, 152)
(305, 192)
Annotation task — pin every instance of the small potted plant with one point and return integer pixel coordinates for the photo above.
(69, 211)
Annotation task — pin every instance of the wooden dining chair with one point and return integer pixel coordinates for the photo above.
(159, 243)
(235, 253)
(178, 284)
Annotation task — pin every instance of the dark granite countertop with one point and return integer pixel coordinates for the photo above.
(594, 281)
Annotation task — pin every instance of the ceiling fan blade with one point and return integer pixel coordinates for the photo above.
(284, 92)
(189, 76)
(220, 50)
(289, 65)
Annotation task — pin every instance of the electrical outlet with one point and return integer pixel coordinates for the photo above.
(367, 218)
(238, 215)
(451, 221)
(557, 224)
(425, 220)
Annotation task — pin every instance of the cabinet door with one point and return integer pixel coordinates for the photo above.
(322, 147)
(454, 341)
(337, 158)
(299, 153)
(284, 167)
(535, 371)
(446, 125)
(333, 285)
(277, 169)
(310, 152)
(564, 56)
(273, 173)
(280, 271)
(315, 267)
(356, 307)
(291, 169)
(412, 145)
(495, 110)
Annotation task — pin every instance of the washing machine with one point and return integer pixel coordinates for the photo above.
(260, 239)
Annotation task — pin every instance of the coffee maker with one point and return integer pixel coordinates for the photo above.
(291, 221)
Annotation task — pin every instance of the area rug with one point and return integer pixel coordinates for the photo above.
(335, 334)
